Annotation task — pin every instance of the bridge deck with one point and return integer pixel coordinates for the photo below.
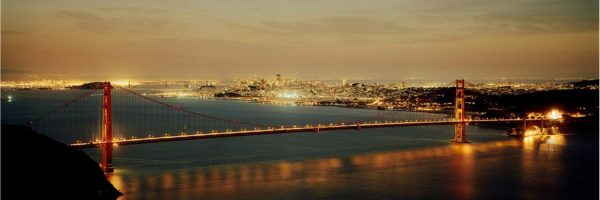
(316, 128)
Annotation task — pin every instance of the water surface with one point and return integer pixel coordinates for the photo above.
(387, 163)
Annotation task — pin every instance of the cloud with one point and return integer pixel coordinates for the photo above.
(247, 27)
(99, 24)
(130, 9)
(13, 32)
(531, 22)
(340, 25)
(86, 21)
(65, 14)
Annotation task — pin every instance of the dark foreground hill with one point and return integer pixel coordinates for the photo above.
(37, 167)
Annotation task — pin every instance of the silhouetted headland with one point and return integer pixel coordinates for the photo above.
(37, 167)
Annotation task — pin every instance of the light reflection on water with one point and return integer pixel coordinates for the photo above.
(394, 163)
(461, 171)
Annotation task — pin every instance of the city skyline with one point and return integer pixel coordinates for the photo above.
(11, 78)
(230, 40)
(300, 99)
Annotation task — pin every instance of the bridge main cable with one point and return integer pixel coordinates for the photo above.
(179, 108)
(65, 105)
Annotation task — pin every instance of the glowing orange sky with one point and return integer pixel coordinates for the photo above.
(228, 39)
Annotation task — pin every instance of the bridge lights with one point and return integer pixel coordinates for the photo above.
(554, 114)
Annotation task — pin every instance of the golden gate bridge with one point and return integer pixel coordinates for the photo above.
(125, 117)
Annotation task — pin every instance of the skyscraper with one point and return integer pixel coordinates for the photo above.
(278, 80)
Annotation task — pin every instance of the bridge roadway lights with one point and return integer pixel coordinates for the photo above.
(107, 164)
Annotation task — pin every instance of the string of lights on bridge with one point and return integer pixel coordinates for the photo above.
(118, 116)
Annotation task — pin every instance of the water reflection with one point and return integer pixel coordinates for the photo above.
(462, 169)
(513, 168)
(539, 162)
(556, 139)
(456, 162)
(543, 144)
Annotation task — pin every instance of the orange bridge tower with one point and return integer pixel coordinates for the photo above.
(459, 113)
(107, 145)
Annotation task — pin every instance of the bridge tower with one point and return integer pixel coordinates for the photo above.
(107, 145)
(459, 113)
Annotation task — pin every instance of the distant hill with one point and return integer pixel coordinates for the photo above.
(89, 86)
(584, 83)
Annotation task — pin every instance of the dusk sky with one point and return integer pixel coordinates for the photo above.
(311, 39)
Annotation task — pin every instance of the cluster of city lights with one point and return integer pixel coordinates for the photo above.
(288, 95)
(554, 114)
(45, 83)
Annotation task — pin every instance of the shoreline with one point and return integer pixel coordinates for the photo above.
(444, 112)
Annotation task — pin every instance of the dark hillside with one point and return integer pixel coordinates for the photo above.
(37, 167)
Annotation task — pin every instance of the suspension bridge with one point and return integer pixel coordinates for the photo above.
(116, 116)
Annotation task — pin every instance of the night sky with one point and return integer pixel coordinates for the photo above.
(311, 39)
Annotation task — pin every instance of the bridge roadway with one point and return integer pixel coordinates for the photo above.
(293, 129)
